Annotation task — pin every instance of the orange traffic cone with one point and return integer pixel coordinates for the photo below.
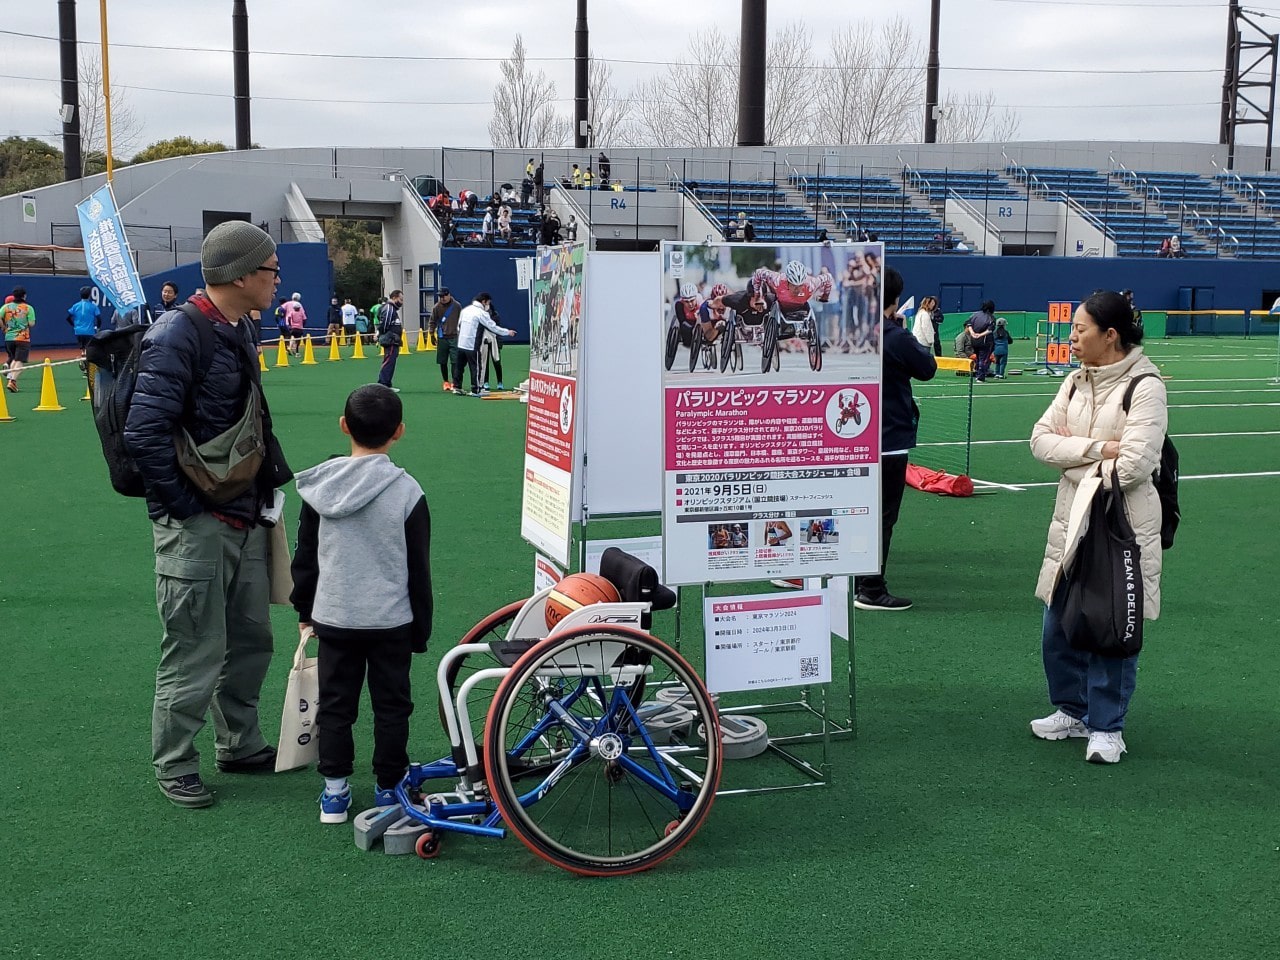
(308, 354)
(357, 352)
(48, 392)
(334, 355)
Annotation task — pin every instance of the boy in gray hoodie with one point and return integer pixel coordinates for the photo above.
(362, 581)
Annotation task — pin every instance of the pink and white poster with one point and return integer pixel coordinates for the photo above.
(552, 427)
(771, 411)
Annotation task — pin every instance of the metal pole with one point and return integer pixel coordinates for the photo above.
(106, 82)
(240, 71)
(931, 77)
(580, 77)
(72, 162)
(1226, 133)
(1271, 107)
(751, 86)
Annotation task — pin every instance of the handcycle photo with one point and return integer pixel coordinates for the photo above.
(571, 727)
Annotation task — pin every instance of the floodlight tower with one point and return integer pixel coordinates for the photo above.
(240, 71)
(931, 77)
(72, 168)
(1251, 71)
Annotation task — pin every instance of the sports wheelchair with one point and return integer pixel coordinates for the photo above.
(571, 757)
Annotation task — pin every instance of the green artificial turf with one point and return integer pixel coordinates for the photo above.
(947, 830)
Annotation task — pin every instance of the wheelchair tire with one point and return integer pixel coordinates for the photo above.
(673, 342)
(492, 628)
(769, 346)
(728, 340)
(695, 346)
(814, 342)
(605, 793)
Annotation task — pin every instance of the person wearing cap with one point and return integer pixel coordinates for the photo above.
(444, 321)
(212, 576)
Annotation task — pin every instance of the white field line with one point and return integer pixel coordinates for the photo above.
(1181, 478)
(1002, 395)
(991, 483)
(1027, 440)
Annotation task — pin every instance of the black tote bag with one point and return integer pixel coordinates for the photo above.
(1102, 606)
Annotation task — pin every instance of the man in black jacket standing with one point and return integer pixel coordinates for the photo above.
(212, 579)
(904, 359)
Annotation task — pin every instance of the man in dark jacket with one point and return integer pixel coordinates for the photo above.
(212, 579)
(444, 321)
(904, 359)
(390, 337)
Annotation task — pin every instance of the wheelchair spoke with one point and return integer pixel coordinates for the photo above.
(616, 797)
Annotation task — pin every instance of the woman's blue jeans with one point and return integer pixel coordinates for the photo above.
(1088, 686)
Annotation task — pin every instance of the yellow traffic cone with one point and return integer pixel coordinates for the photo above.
(334, 355)
(48, 392)
(357, 352)
(422, 342)
(262, 361)
(282, 354)
(342, 339)
(308, 354)
(404, 346)
(4, 407)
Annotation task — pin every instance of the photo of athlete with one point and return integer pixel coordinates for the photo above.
(723, 302)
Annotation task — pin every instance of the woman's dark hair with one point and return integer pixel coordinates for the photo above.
(988, 306)
(892, 286)
(1111, 311)
(20, 294)
(372, 413)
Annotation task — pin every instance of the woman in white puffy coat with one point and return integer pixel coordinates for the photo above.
(1084, 433)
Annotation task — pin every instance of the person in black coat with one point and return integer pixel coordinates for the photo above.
(904, 359)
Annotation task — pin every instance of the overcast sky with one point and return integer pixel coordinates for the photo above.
(1109, 54)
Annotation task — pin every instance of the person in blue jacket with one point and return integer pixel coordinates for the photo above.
(904, 359)
(85, 318)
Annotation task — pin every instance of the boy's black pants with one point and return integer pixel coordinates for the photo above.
(342, 674)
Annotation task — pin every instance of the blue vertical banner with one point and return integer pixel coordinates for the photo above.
(106, 250)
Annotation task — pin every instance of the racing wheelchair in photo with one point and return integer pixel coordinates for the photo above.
(595, 743)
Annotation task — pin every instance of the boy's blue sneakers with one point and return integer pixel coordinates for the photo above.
(385, 798)
(334, 806)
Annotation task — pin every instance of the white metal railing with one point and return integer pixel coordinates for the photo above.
(678, 185)
(990, 233)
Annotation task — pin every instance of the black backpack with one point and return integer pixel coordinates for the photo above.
(114, 355)
(1166, 476)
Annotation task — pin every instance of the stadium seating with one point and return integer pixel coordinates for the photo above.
(1210, 206)
(1133, 224)
(879, 206)
(775, 219)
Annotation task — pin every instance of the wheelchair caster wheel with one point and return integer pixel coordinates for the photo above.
(428, 846)
(671, 828)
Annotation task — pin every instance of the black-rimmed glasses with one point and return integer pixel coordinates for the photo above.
(275, 270)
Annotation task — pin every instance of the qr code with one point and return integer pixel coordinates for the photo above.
(808, 667)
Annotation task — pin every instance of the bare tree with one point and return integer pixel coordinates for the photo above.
(869, 90)
(126, 125)
(789, 114)
(524, 112)
(607, 111)
(692, 103)
(973, 118)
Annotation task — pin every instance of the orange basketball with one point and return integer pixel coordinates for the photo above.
(576, 591)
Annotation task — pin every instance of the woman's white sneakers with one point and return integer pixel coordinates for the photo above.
(1058, 726)
(1105, 746)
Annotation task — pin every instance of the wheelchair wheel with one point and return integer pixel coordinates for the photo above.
(814, 342)
(839, 424)
(673, 342)
(492, 628)
(695, 346)
(728, 341)
(606, 793)
(769, 346)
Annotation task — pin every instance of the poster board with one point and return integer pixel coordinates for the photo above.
(552, 460)
(771, 410)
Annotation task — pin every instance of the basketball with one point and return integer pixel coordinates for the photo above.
(575, 591)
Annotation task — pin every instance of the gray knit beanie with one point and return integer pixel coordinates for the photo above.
(232, 250)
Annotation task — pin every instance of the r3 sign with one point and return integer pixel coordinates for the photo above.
(617, 203)
(1005, 212)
